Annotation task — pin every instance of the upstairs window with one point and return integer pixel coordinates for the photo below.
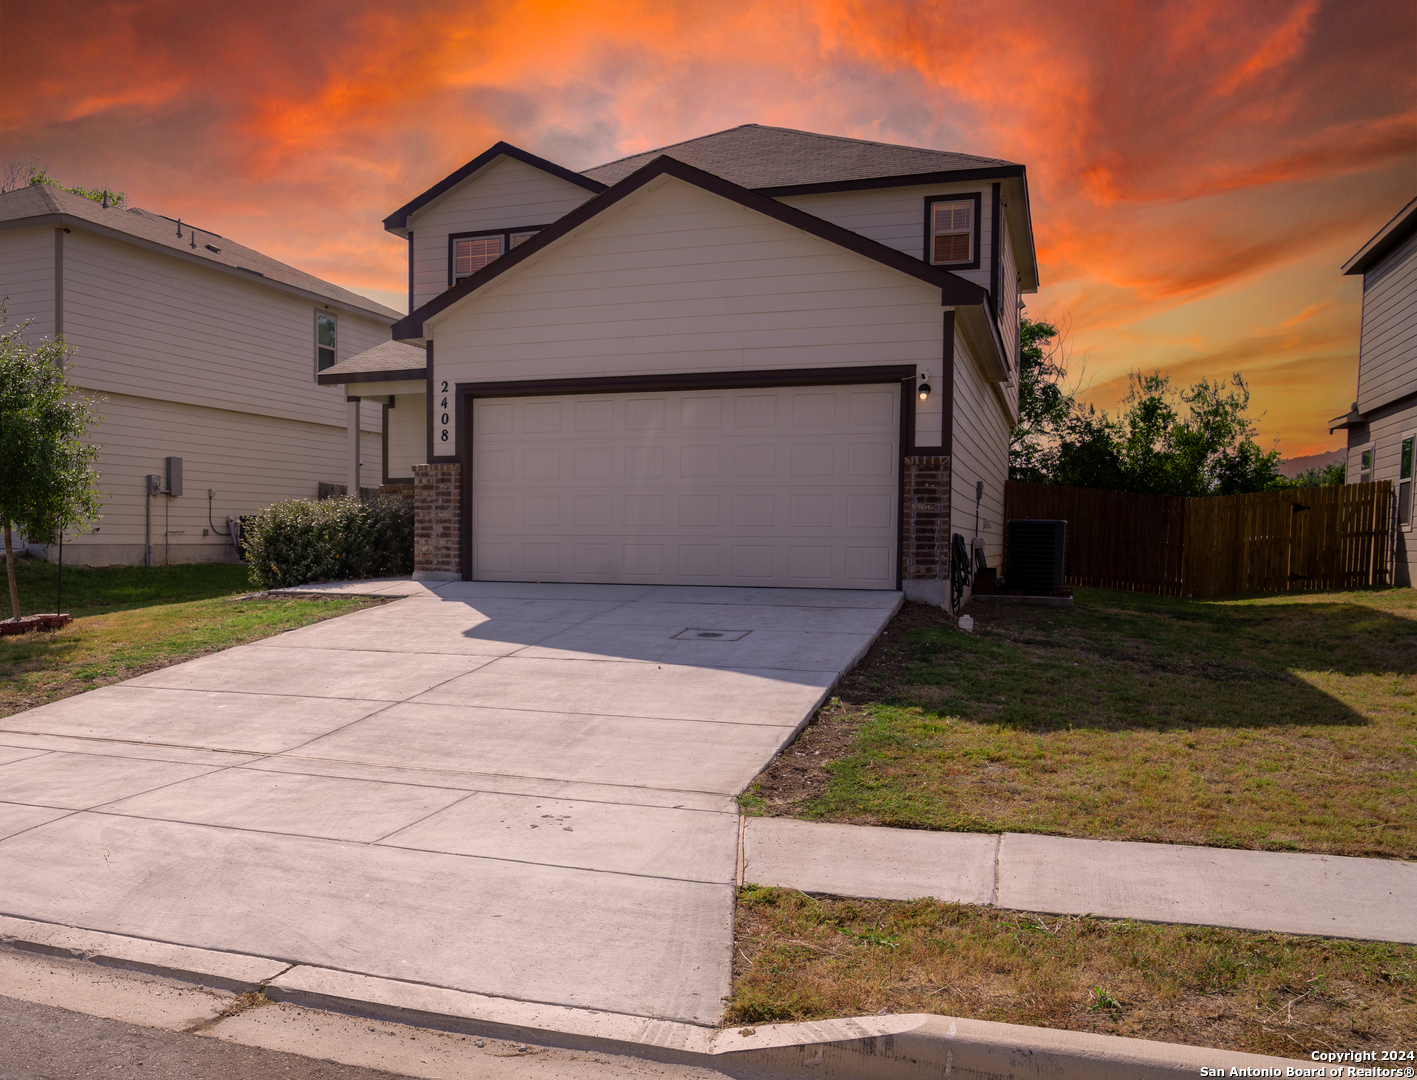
(325, 340)
(1404, 483)
(952, 230)
(1365, 467)
(470, 252)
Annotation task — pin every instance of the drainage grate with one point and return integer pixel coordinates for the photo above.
(693, 633)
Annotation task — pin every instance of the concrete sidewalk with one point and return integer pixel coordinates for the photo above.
(1331, 895)
(518, 791)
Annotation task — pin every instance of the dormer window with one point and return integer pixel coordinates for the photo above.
(952, 231)
(470, 252)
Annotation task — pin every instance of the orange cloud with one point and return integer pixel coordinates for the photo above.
(1181, 156)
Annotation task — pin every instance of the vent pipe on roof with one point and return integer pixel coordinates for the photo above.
(179, 226)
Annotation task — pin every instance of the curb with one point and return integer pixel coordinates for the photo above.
(891, 1047)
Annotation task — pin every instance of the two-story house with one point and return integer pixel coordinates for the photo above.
(1382, 424)
(202, 350)
(763, 357)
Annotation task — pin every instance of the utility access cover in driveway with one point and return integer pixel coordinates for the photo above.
(523, 791)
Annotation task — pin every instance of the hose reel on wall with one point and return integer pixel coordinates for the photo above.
(960, 571)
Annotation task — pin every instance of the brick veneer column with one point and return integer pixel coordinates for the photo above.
(437, 522)
(925, 530)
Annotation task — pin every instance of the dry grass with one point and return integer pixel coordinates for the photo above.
(1283, 723)
(803, 958)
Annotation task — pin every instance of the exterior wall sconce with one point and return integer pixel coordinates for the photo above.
(924, 386)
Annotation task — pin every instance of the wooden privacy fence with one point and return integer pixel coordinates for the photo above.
(1297, 538)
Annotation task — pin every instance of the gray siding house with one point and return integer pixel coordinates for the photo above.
(201, 349)
(1382, 423)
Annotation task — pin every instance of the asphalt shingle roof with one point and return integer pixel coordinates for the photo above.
(757, 157)
(386, 356)
(39, 200)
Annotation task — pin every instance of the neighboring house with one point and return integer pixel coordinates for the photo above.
(704, 364)
(201, 349)
(1382, 424)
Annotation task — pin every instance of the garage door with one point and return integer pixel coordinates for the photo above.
(786, 487)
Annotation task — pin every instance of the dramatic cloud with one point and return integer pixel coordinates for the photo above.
(1198, 171)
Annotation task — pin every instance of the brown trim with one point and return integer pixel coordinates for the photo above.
(947, 388)
(994, 261)
(712, 380)
(956, 176)
(928, 247)
(707, 380)
(954, 290)
(401, 375)
(505, 234)
(399, 218)
(410, 269)
(1385, 241)
(59, 281)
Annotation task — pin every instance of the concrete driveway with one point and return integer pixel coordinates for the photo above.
(522, 791)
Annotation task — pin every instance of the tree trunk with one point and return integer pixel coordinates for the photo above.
(10, 570)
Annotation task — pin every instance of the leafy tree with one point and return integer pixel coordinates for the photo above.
(1044, 406)
(18, 174)
(47, 477)
(1334, 474)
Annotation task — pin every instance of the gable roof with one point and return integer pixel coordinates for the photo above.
(41, 204)
(1389, 237)
(775, 160)
(398, 220)
(954, 290)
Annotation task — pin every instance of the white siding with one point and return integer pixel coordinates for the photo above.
(507, 194)
(896, 217)
(681, 280)
(408, 434)
(249, 460)
(980, 452)
(27, 278)
(1008, 301)
(1387, 359)
(145, 324)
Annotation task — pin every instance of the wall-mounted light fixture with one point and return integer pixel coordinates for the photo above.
(924, 386)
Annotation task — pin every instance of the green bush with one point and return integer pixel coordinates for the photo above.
(290, 543)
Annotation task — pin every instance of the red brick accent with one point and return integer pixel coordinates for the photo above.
(925, 519)
(437, 518)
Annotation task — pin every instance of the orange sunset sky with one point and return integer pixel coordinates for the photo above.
(1198, 171)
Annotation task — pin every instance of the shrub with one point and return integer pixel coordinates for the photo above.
(290, 543)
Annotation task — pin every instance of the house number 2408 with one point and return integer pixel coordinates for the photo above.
(443, 412)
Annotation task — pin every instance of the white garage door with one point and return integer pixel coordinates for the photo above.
(789, 487)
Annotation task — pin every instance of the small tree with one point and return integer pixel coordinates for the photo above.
(48, 482)
(1044, 404)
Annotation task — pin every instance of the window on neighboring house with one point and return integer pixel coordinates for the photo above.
(1365, 467)
(470, 253)
(952, 232)
(324, 340)
(1404, 484)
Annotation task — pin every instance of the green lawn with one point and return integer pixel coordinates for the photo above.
(131, 620)
(1285, 723)
(804, 958)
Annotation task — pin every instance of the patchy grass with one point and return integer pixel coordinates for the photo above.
(802, 958)
(1282, 723)
(132, 620)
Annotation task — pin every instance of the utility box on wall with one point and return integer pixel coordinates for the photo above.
(174, 476)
